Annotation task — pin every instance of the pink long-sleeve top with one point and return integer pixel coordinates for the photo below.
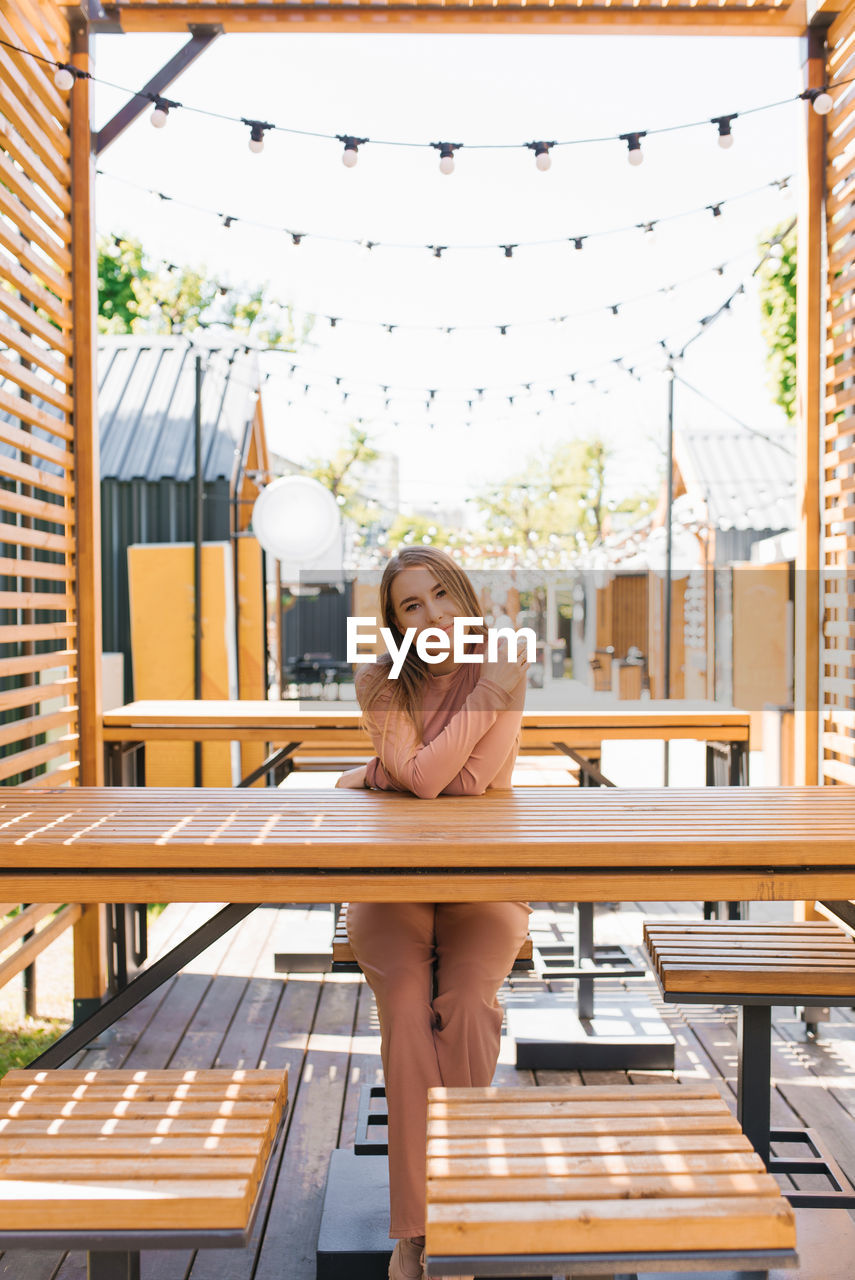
(469, 742)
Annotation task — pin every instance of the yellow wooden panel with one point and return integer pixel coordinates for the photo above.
(252, 675)
(160, 579)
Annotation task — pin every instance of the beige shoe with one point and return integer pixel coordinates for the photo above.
(407, 1261)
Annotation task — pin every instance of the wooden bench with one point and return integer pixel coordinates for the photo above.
(118, 1161)
(756, 966)
(575, 1180)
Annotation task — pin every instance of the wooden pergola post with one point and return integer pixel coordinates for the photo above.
(810, 389)
(90, 955)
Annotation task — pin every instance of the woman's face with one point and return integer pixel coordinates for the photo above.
(420, 601)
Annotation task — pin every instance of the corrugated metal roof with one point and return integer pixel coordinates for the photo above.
(746, 479)
(146, 407)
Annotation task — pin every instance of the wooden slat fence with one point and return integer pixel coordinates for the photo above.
(837, 649)
(38, 630)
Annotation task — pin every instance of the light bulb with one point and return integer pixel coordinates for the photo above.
(725, 141)
(349, 157)
(822, 103)
(543, 161)
(63, 79)
(256, 145)
(159, 117)
(776, 250)
(446, 164)
(635, 157)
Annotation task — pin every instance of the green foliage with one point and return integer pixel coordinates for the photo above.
(419, 530)
(777, 286)
(136, 298)
(342, 473)
(20, 1043)
(553, 507)
(120, 264)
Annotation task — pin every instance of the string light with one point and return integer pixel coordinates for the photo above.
(501, 329)
(350, 155)
(820, 99)
(779, 184)
(725, 136)
(65, 75)
(446, 155)
(160, 114)
(542, 158)
(635, 155)
(257, 130)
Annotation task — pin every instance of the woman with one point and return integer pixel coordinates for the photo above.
(435, 968)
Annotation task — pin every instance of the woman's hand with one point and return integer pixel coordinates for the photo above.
(353, 777)
(506, 671)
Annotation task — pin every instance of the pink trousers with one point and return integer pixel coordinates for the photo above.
(435, 970)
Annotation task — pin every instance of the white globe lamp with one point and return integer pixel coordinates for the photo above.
(297, 522)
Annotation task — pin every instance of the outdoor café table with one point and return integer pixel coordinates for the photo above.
(332, 731)
(580, 844)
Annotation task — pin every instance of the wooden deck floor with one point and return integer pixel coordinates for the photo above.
(229, 1009)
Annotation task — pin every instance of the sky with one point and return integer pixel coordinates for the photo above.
(475, 89)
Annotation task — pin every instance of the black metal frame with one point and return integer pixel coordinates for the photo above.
(366, 1119)
(754, 1094)
(146, 981)
(620, 1266)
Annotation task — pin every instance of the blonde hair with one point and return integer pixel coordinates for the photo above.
(407, 692)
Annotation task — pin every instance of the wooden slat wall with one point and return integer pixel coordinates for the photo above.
(38, 627)
(837, 649)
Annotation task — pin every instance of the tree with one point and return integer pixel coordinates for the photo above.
(420, 530)
(136, 297)
(777, 277)
(342, 474)
(554, 506)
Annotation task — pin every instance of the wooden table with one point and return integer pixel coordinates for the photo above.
(543, 843)
(321, 730)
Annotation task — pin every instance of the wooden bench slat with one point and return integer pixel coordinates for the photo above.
(576, 1125)
(112, 1145)
(141, 1126)
(573, 1092)
(152, 1167)
(103, 1075)
(538, 1144)
(579, 1166)
(142, 1093)
(124, 1206)
(32, 1109)
(494, 1112)
(640, 1186)
(584, 1226)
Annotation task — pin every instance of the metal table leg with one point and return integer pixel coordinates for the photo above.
(112, 1266)
(754, 1080)
(585, 956)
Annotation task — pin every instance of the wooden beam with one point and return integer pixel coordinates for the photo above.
(774, 20)
(87, 477)
(809, 381)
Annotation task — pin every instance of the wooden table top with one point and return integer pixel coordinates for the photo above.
(567, 844)
(311, 722)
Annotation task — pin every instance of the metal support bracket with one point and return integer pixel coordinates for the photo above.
(147, 981)
(201, 37)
